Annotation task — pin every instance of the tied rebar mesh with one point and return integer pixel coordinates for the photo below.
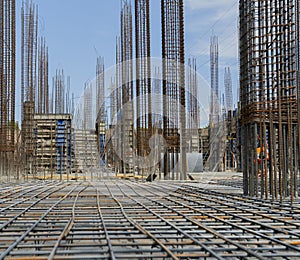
(268, 97)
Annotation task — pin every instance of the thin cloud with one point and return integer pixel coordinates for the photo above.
(204, 4)
(220, 20)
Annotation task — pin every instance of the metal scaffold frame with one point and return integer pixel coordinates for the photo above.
(174, 114)
(8, 130)
(269, 97)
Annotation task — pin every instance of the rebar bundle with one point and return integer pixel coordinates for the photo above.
(174, 117)
(7, 86)
(269, 97)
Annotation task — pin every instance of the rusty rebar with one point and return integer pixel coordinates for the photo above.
(269, 97)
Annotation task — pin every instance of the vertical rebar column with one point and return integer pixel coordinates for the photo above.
(117, 94)
(88, 120)
(173, 86)
(42, 97)
(100, 106)
(214, 157)
(156, 98)
(193, 119)
(29, 29)
(7, 86)
(100, 88)
(192, 102)
(59, 89)
(127, 87)
(228, 89)
(269, 97)
(297, 138)
(143, 77)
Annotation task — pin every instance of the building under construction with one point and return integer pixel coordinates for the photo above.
(96, 214)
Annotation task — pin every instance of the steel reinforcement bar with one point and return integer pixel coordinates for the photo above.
(134, 220)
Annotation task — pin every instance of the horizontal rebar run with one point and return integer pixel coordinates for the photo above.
(123, 219)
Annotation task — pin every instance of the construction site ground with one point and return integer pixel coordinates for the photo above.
(133, 219)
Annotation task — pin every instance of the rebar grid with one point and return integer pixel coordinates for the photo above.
(269, 98)
(7, 87)
(122, 219)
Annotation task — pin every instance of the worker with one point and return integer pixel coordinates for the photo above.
(261, 154)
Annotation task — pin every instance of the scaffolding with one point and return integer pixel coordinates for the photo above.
(7, 87)
(174, 114)
(143, 82)
(53, 146)
(269, 97)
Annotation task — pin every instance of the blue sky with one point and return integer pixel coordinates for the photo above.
(77, 31)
